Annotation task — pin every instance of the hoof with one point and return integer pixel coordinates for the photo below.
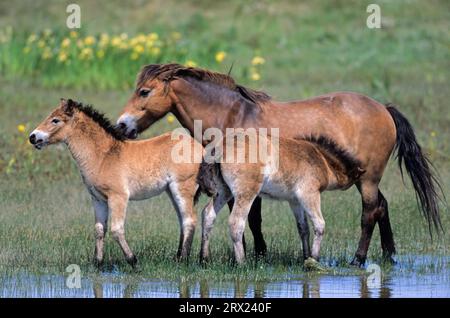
(358, 261)
(132, 261)
(310, 264)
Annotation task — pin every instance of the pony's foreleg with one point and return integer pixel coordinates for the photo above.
(209, 215)
(182, 197)
(101, 219)
(236, 223)
(310, 202)
(302, 227)
(117, 206)
(254, 223)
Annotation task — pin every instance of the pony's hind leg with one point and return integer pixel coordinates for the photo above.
(310, 202)
(118, 205)
(387, 238)
(182, 197)
(302, 227)
(209, 215)
(374, 210)
(101, 219)
(236, 223)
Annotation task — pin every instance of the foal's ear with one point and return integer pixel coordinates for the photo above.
(67, 106)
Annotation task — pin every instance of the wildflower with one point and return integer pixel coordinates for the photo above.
(153, 36)
(220, 56)
(41, 43)
(47, 54)
(433, 134)
(139, 48)
(141, 38)
(73, 34)
(100, 54)
(62, 56)
(124, 36)
(258, 60)
(26, 50)
(104, 40)
(170, 118)
(155, 51)
(116, 41)
(21, 128)
(89, 40)
(190, 63)
(86, 53)
(255, 76)
(134, 56)
(32, 38)
(65, 43)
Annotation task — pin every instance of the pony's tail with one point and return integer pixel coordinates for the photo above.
(419, 168)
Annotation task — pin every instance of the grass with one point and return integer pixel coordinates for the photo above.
(46, 220)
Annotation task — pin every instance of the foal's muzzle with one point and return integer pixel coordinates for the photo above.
(126, 125)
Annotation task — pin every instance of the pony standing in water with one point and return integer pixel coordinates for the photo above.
(366, 129)
(293, 170)
(115, 171)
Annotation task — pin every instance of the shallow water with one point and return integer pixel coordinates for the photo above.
(414, 276)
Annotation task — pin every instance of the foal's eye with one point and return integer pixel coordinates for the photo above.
(144, 92)
(55, 121)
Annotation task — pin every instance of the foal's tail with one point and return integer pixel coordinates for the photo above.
(418, 166)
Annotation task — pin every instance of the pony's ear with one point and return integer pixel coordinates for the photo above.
(68, 106)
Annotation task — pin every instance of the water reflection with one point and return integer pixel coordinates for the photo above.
(395, 283)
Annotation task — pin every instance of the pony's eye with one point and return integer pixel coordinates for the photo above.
(144, 92)
(55, 121)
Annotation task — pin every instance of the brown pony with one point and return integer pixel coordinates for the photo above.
(115, 171)
(364, 128)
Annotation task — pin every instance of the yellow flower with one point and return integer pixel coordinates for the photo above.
(155, 51)
(62, 56)
(26, 50)
(100, 54)
(21, 128)
(65, 43)
(124, 36)
(116, 41)
(153, 36)
(258, 60)
(32, 38)
(433, 134)
(89, 40)
(47, 53)
(104, 39)
(73, 34)
(134, 56)
(41, 43)
(255, 76)
(170, 119)
(190, 63)
(139, 48)
(220, 56)
(86, 53)
(141, 38)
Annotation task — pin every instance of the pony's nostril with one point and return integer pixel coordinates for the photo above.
(32, 139)
(122, 126)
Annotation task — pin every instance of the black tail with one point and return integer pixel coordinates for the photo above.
(418, 166)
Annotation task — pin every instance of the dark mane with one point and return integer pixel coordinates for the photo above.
(168, 72)
(100, 119)
(350, 163)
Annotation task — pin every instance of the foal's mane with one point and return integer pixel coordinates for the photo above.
(100, 119)
(330, 147)
(168, 72)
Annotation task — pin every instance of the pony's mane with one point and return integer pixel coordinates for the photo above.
(100, 119)
(327, 145)
(168, 72)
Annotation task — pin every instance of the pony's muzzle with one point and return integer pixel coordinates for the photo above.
(38, 139)
(127, 126)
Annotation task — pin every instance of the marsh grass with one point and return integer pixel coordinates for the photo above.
(46, 220)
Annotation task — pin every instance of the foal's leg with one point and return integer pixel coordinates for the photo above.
(371, 214)
(236, 223)
(117, 206)
(101, 219)
(310, 202)
(209, 215)
(182, 196)
(302, 227)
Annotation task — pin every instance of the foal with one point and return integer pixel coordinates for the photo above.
(295, 170)
(115, 171)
